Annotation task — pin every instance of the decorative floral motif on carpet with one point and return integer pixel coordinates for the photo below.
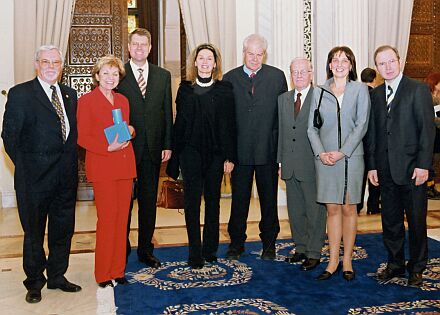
(423, 307)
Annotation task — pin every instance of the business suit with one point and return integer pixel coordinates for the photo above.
(345, 177)
(257, 135)
(152, 118)
(45, 177)
(399, 141)
(307, 217)
(111, 174)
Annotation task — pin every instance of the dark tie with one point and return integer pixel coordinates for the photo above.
(297, 106)
(59, 109)
(390, 92)
(141, 82)
(252, 76)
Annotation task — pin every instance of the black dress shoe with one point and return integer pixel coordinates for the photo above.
(104, 284)
(33, 296)
(309, 264)
(150, 260)
(196, 263)
(297, 257)
(348, 275)
(210, 258)
(268, 254)
(415, 279)
(325, 275)
(389, 273)
(65, 286)
(122, 281)
(234, 253)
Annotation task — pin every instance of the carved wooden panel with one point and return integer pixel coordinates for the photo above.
(423, 50)
(99, 27)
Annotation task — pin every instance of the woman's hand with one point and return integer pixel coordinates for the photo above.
(132, 131)
(228, 167)
(116, 146)
(336, 156)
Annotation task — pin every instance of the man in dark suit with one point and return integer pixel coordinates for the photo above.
(148, 89)
(256, 89)
(297, 167)
(400, 142)
(39, 134)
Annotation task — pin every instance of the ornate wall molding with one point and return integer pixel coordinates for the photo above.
(308, 29)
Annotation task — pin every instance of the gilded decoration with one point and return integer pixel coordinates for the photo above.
(93, 7)
(423, 11)
(308, 29)
(420, 52)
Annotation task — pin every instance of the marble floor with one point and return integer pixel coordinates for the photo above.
(170, 231)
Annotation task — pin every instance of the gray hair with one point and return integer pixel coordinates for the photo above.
(255, 38)
(301, 59)
(47, 48)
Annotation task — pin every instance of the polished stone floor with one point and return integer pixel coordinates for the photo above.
(170, 232)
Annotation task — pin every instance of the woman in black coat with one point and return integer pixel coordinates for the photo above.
(204, 148)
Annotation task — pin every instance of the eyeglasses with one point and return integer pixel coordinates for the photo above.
(45, 63)
(302, 72)
(389, 62)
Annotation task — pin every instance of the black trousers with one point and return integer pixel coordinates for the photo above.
(398, 200)
(197, 182)
(266, 177)
(147, 183)
(56, 207)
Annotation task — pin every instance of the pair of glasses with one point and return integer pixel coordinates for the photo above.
(45, 63)
(389, 62)
(302, 72)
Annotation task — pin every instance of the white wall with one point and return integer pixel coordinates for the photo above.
(7, 193)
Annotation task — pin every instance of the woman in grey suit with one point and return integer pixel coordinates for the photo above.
(344, 107)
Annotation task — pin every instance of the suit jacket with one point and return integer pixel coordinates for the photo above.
(94, 115)
(257, 114)
(152, 116)
(33, 139)
(405, 134)
(294, 151)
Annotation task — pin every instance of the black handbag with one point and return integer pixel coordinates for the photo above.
(317, 119)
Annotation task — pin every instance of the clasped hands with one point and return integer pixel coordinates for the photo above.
(330, 158)
(116, 146)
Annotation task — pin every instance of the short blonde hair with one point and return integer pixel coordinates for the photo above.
(191, 71)
(140, 32)
(111, 61)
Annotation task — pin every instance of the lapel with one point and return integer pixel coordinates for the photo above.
(305, 107)
(132, 80)
(289, 104)
(348, 96)
(382, 102)
(151, 82)
(66, 101)
(41, 96)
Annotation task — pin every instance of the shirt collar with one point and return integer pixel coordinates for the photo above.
(135, 67)
(303, 92)
(249, 71)
(394, 85)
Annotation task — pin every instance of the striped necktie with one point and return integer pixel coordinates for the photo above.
(389, 98)
(59, 109)
(141, 82)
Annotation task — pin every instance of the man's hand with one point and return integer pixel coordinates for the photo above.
(420, 175)
(228, 167)
(166, 155)
(372, 176)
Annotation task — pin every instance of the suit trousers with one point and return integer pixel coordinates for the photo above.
(197, 182)
(112, 200)
(398, 200)
(307, 217)
(266, 177)
(57, 207)
(147, 183)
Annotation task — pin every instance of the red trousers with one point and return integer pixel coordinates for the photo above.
(112, 199)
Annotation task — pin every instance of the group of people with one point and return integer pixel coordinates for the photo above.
(245, 123)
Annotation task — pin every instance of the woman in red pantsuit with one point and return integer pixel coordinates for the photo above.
(110, 168)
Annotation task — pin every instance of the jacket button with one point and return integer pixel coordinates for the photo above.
(293, 139)
(388, 133)
(293, 127)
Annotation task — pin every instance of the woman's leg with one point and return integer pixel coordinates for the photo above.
(349, 228)
(334, 232)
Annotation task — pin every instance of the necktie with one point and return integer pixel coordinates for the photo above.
(59, 109)
(252, 76)
(389, 98)
(297, 106)
(141, 82)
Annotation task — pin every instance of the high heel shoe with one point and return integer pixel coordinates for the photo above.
(348, 275)
(325, 275)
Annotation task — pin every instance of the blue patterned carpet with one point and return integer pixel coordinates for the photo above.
(254, 286)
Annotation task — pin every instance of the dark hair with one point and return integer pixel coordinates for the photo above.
(352, 74)
(206, 46)
(368, 75)
(432, 80)
(383, 48)
(191, 70)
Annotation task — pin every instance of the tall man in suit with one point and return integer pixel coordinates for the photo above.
(256, 89)
(39, 134)
(400, 142)
(297, 167)
(148, 89)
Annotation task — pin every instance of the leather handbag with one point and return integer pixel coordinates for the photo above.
(171, 195)
(317, 119)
